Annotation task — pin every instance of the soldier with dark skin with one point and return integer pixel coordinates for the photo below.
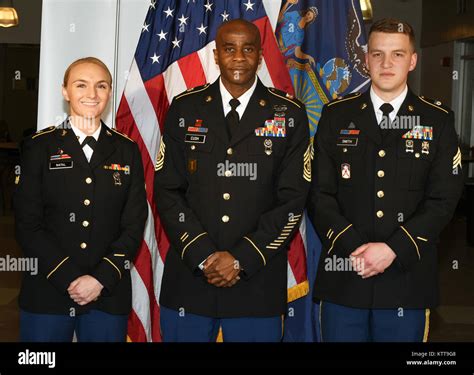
(230, 231)
(237, 75)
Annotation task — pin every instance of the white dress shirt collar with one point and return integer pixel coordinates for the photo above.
(81, 136)
(243, 99)
(396, 103)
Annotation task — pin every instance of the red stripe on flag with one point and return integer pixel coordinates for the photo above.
(135, 329)
(192, 71)
(155, 88)
(274, 59)
(297, 258)
(156, 331)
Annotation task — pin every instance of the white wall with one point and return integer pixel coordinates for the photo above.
(71, 29)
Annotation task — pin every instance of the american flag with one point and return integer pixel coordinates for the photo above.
(175, 53)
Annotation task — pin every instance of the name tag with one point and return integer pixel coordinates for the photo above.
(60, 164)
(347, 141)
(195, 138)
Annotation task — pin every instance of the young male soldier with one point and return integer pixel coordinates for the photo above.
(381, 194)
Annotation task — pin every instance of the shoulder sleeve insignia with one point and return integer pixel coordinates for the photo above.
(160, 160)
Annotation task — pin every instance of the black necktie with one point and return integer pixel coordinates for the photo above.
(233, 117)
(89, 140)
(386, 109)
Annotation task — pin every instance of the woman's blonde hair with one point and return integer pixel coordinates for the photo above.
(89, 60)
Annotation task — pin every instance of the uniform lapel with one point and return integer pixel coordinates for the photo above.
(70, 144)
(255, 114)
(366, 119)
(213, 113)
(104, 147)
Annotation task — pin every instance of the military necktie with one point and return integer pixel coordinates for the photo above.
(233, 117)
(89, 140)
(386, 109)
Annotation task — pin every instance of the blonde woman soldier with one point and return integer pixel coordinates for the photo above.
(80, 209)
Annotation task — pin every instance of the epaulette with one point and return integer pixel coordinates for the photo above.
(344, 98)
(434, 103)
(123, 135)
(47, 130)
(284, 95)
(193, 90)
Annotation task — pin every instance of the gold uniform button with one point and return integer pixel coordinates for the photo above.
(85, 223)
(225, 218)
(379, 214)
(227, 173)
(380, 174)
(87, 202)
(230, 151)
(88, 180)
(344, 149)
(83, 245)
(417, 155)
(380, 194)
(193, 147)
(382, 153)
(226, 196)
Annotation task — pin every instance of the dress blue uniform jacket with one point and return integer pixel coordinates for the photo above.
(398, 186)
(209, 200)
(79, 218)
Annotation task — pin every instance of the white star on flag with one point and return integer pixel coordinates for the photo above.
(225, 16)
(249, 5)
(156, 59)
(208, 6)
(162, 35)
(183, 20)
(202, 29)
(169, 12)
(176, 42)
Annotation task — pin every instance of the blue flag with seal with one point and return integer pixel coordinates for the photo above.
(324, 44)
